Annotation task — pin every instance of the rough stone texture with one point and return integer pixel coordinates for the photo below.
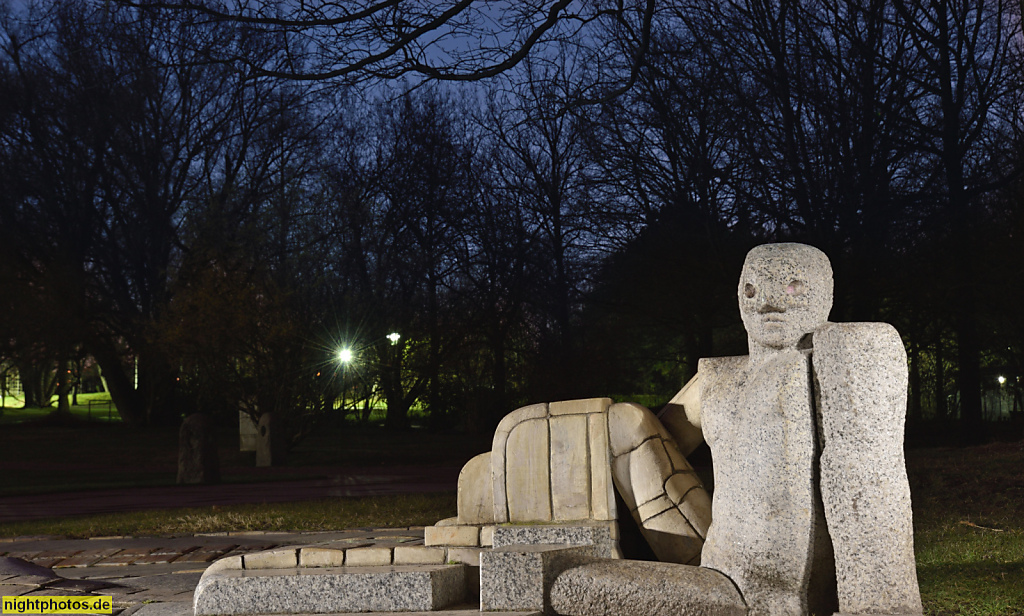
(246, 432)
(768, 526)
(528, 481)
(660, 488)
(785, 293)
(631, 588)
(271, 441)
(274, 559)
(373, 556)
(518, 577)
(197, 451)
(476, 492)
(861, 373)
(341, 589)
(602, 535)
(460, 535)
(418, 555)
(321, 557)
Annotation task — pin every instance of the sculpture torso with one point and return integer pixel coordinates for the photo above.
(759, 423)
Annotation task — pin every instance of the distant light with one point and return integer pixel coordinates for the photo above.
(345, 355)
(393, 337)
(1002, 379)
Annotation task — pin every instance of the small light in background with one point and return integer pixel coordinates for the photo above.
(393, 337)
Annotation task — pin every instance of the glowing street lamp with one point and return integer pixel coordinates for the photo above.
(393, 337)
(1001, 379)
(345, 355)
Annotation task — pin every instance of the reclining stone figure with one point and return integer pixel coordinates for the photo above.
(811, 509)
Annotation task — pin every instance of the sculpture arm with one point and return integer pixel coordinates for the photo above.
(681, 416)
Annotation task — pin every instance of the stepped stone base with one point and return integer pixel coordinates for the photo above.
(315, 590)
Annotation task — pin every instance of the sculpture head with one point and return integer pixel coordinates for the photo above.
(785, 293)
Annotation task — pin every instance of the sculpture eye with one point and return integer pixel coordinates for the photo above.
(749, 290)
(795, 287)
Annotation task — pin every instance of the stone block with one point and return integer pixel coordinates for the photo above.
(861, 372)
(602, 535)
(321, 557)
(368, 557)
(476, 495)
(197, 451)
(518, 577)
(631, 587)
(528, 481)
(581, 407)
(602, 490)
(462, 536)
(498, 446)
(331, 590)
(570, 467)
(465, 556)
(273, 559)
(487, 536)
(418, 555)
(226, 563)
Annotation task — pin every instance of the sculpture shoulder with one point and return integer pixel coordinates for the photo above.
(867, 346)
(710, 368)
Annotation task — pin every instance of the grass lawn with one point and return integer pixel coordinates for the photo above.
(968, 502)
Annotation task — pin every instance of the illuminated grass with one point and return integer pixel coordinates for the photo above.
(319, 515)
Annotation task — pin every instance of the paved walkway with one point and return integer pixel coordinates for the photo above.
(151, 576)
(368, 481)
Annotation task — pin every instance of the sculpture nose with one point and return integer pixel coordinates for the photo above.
(769, 302)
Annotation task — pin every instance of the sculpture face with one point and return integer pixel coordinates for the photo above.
(785, 292)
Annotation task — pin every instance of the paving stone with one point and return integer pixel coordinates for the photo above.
(367, 557)
(342, 589)
(276, 559)
(466, 556)
(124, 557)
(321, 557)
(86, 558)
(419, 555)
(487, 536)
(461, 535)
(82, 585)
(164, 609)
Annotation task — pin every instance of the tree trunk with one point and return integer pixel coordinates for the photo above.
(969, 375)
(118, 383)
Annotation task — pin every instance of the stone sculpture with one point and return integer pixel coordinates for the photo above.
(811, 510)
